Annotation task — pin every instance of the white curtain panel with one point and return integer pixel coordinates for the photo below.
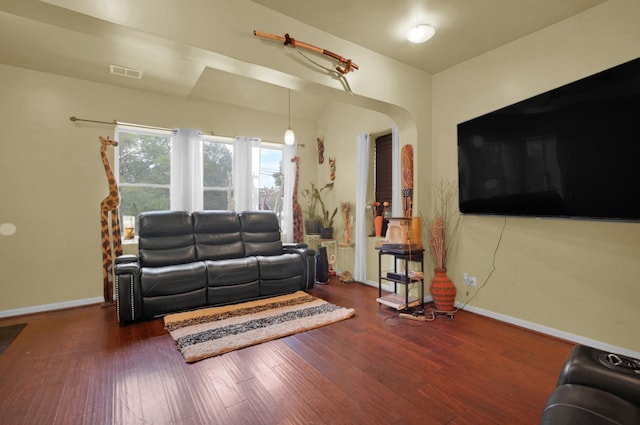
(289, 171)
(243, 184)
(396, 201)
(186, 170)
(362, 159)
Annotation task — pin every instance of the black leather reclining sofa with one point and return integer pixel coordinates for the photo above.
(191, 260)
(595, 387)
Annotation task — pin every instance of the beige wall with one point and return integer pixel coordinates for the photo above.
(341, 124)
(52, 179)
(40, 147)
(578, 277)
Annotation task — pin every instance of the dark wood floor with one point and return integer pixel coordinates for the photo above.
(78, 366)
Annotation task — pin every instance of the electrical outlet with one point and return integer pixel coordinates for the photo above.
(470, 280)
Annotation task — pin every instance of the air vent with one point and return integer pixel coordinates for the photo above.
(124, 71)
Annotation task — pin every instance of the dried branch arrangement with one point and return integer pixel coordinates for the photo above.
(443, 220)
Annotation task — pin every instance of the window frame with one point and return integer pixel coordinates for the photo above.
(192, 160)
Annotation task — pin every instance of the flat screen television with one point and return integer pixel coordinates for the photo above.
(572, 152)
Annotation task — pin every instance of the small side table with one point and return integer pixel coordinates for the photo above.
(401, 276)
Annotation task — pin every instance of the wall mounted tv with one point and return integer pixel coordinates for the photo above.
(572, 152)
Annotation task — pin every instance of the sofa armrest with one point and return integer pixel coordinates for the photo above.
(126, 258)
(614, 373)
(129, 297)
(309, 258)
(294, 245)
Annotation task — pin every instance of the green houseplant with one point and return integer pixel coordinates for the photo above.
(313, 222)
(326, 231)
(324, 221)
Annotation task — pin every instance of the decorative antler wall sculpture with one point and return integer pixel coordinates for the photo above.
(339, 72)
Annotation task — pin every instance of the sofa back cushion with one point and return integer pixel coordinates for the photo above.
(165, 238)
(217, 235)
(260, 233)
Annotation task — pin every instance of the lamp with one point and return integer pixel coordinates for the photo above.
(420, 33)
(289, 137)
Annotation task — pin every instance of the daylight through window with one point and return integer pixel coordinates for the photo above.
(152, 165)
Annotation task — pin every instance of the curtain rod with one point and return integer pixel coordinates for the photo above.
(115, 122)
(149, 127)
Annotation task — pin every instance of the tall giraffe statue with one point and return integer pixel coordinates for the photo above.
(110, 240)
(297, 210)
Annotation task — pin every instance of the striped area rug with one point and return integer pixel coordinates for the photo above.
(208, 332)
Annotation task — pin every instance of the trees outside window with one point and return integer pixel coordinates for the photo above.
(143, 167)
(217, 174)
(144, 171)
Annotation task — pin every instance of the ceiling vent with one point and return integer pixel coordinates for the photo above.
(123, 71)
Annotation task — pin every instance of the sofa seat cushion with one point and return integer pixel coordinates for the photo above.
(279, 266)
(232, 280)
(171, 280)
(578, 404)
(280, 274)
(232, 271)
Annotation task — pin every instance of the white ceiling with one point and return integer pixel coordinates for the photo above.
(464, 28)
(55, 36)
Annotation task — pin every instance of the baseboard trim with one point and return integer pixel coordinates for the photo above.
(551, 331)
(50, 307)
(540, 328)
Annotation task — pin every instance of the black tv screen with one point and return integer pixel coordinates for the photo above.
(572, 152)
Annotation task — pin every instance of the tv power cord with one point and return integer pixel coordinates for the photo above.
(419, 316)
(493, 267)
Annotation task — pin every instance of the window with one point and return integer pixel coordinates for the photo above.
(271, 178)
(383, 169)
(185, 170)
(143, 170)
(217, 173)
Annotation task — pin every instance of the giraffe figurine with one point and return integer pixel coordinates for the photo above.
(111, 241)
(297, 210)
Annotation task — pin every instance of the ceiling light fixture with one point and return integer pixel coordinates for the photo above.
(289, 136)
(419, 33)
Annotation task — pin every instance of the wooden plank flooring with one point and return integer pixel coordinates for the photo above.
(78, 366)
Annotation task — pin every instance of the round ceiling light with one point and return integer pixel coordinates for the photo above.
(420, 33)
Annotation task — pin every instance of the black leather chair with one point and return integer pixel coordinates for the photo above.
(595, 387)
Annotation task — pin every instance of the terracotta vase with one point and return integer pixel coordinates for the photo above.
(377, 224)
(443, 291)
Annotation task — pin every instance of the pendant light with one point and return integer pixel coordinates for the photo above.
(289, 137)
(420, 33)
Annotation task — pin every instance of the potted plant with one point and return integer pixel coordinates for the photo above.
(312, 221)
(326, 231)
(443, 223)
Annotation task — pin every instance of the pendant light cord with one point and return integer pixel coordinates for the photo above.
(289, 108)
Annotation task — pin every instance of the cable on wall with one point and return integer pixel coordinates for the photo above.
(493, 266)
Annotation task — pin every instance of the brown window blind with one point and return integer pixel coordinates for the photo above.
(383, 188)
